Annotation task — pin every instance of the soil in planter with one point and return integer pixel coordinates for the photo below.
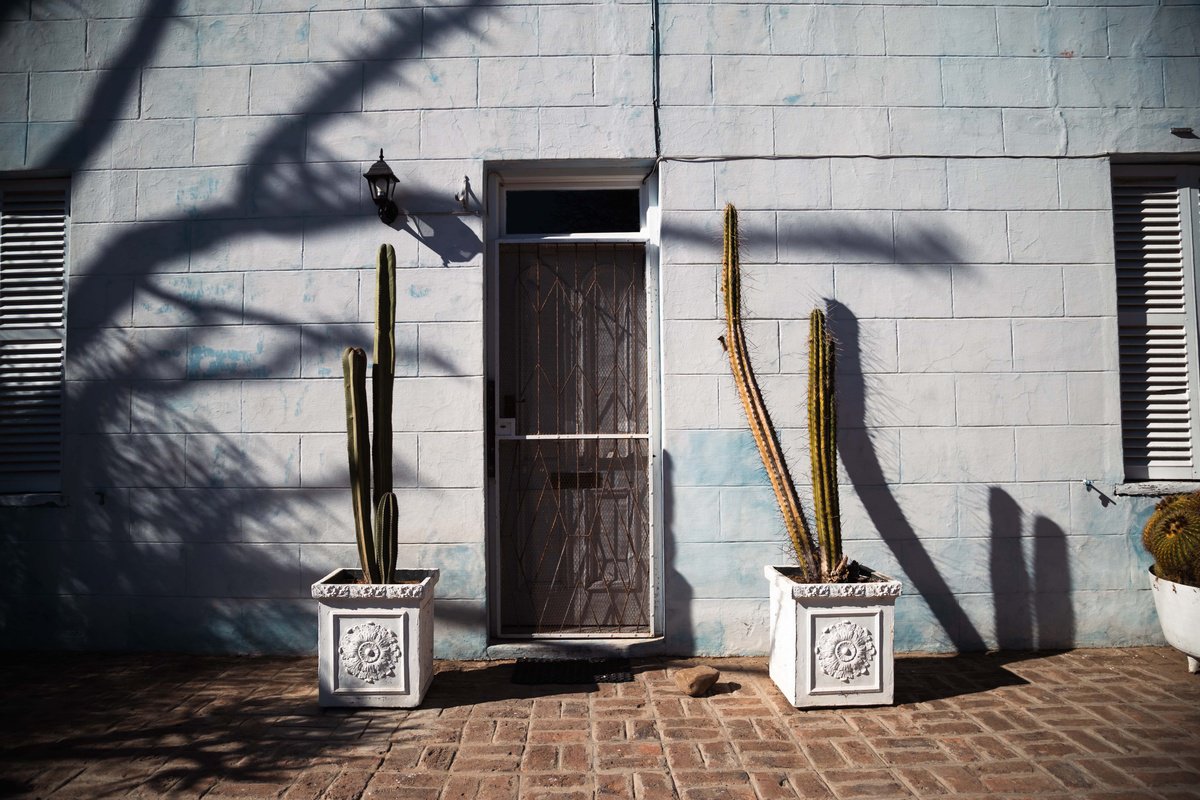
(346, 577)
(363, 581)
(858, 574)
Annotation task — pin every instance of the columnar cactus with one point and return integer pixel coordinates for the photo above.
(375, 507)
(756, 410)
(1172, 536)
(822, 439)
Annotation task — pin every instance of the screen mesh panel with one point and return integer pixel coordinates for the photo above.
(574, 470)
(574, 538)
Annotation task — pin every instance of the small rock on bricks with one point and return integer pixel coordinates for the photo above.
(695, 681)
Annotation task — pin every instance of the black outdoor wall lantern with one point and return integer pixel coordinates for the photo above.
(383, 182)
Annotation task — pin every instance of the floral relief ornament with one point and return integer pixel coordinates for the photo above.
(845, 651)
(369, 652)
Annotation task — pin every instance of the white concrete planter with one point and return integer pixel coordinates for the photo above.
(1178, 608)
(375, 641)
(832, 643)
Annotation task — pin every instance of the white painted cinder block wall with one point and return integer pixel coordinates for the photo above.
(945, 183)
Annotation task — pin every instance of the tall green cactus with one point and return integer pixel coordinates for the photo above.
(375, 508)
(756, 410)
(822, 443)
(1172, 536)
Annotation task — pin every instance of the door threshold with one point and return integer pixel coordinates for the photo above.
(574, 648)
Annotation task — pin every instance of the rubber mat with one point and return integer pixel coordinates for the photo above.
(535, 671)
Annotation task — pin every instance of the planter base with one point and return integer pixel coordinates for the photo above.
(832, 643)
(1178, 609)
(375, 641)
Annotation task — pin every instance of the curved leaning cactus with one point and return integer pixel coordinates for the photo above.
(1172, 536)
(756, 410)
(375, 506)
(822, 442)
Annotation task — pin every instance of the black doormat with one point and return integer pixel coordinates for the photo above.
(536, 671)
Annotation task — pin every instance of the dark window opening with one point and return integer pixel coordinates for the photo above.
(573, 211)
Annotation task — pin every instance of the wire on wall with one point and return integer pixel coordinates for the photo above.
(654, 77)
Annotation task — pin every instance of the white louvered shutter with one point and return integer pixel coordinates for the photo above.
(33, 217)
(1155, 214)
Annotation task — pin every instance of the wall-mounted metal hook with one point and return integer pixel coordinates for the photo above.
(464, 195)
(1105, 500)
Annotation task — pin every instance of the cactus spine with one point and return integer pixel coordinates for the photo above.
(1172, 536)
(375, 506)
(822, 440)
(756, 410)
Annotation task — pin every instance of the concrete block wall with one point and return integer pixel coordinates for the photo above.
(941, 177)
(977, 391)
(938, 171)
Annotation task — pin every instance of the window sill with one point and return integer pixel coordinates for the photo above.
(1154, 488)
(33, 500)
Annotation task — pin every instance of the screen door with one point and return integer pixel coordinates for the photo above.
(572, 439)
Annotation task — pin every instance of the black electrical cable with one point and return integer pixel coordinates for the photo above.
(654, 77)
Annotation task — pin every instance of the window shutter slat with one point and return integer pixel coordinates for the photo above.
(32, 262)
(33, 216)
(31, 415)
(1155, 302)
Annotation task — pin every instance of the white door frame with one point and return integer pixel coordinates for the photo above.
(503, 178)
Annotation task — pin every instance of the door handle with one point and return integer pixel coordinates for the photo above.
(490, 425)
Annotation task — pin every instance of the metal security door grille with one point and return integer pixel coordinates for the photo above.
(573, 440)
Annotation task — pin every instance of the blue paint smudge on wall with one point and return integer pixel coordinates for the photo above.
(1142, 560)
(709, 637)
(208, 362)
(715, 458)
(187, 198)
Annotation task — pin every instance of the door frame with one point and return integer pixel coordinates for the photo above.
(502, 178)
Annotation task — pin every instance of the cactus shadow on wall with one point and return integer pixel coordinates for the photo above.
(864, 469)
(1029, 596)
(1030, 579)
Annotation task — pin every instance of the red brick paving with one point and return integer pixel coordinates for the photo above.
(1102, 724)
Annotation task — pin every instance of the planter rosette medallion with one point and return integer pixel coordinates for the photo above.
(369, 652)
(845, 651)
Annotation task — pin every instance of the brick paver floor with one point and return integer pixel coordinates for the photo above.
(1081, 724)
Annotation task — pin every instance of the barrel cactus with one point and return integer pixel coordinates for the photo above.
(1172, 536)
(375, 506)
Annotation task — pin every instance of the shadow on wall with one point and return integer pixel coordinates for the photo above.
(175, 536)
(1032, 594)
(678, 625)
(1029, 595)
(864, 469)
